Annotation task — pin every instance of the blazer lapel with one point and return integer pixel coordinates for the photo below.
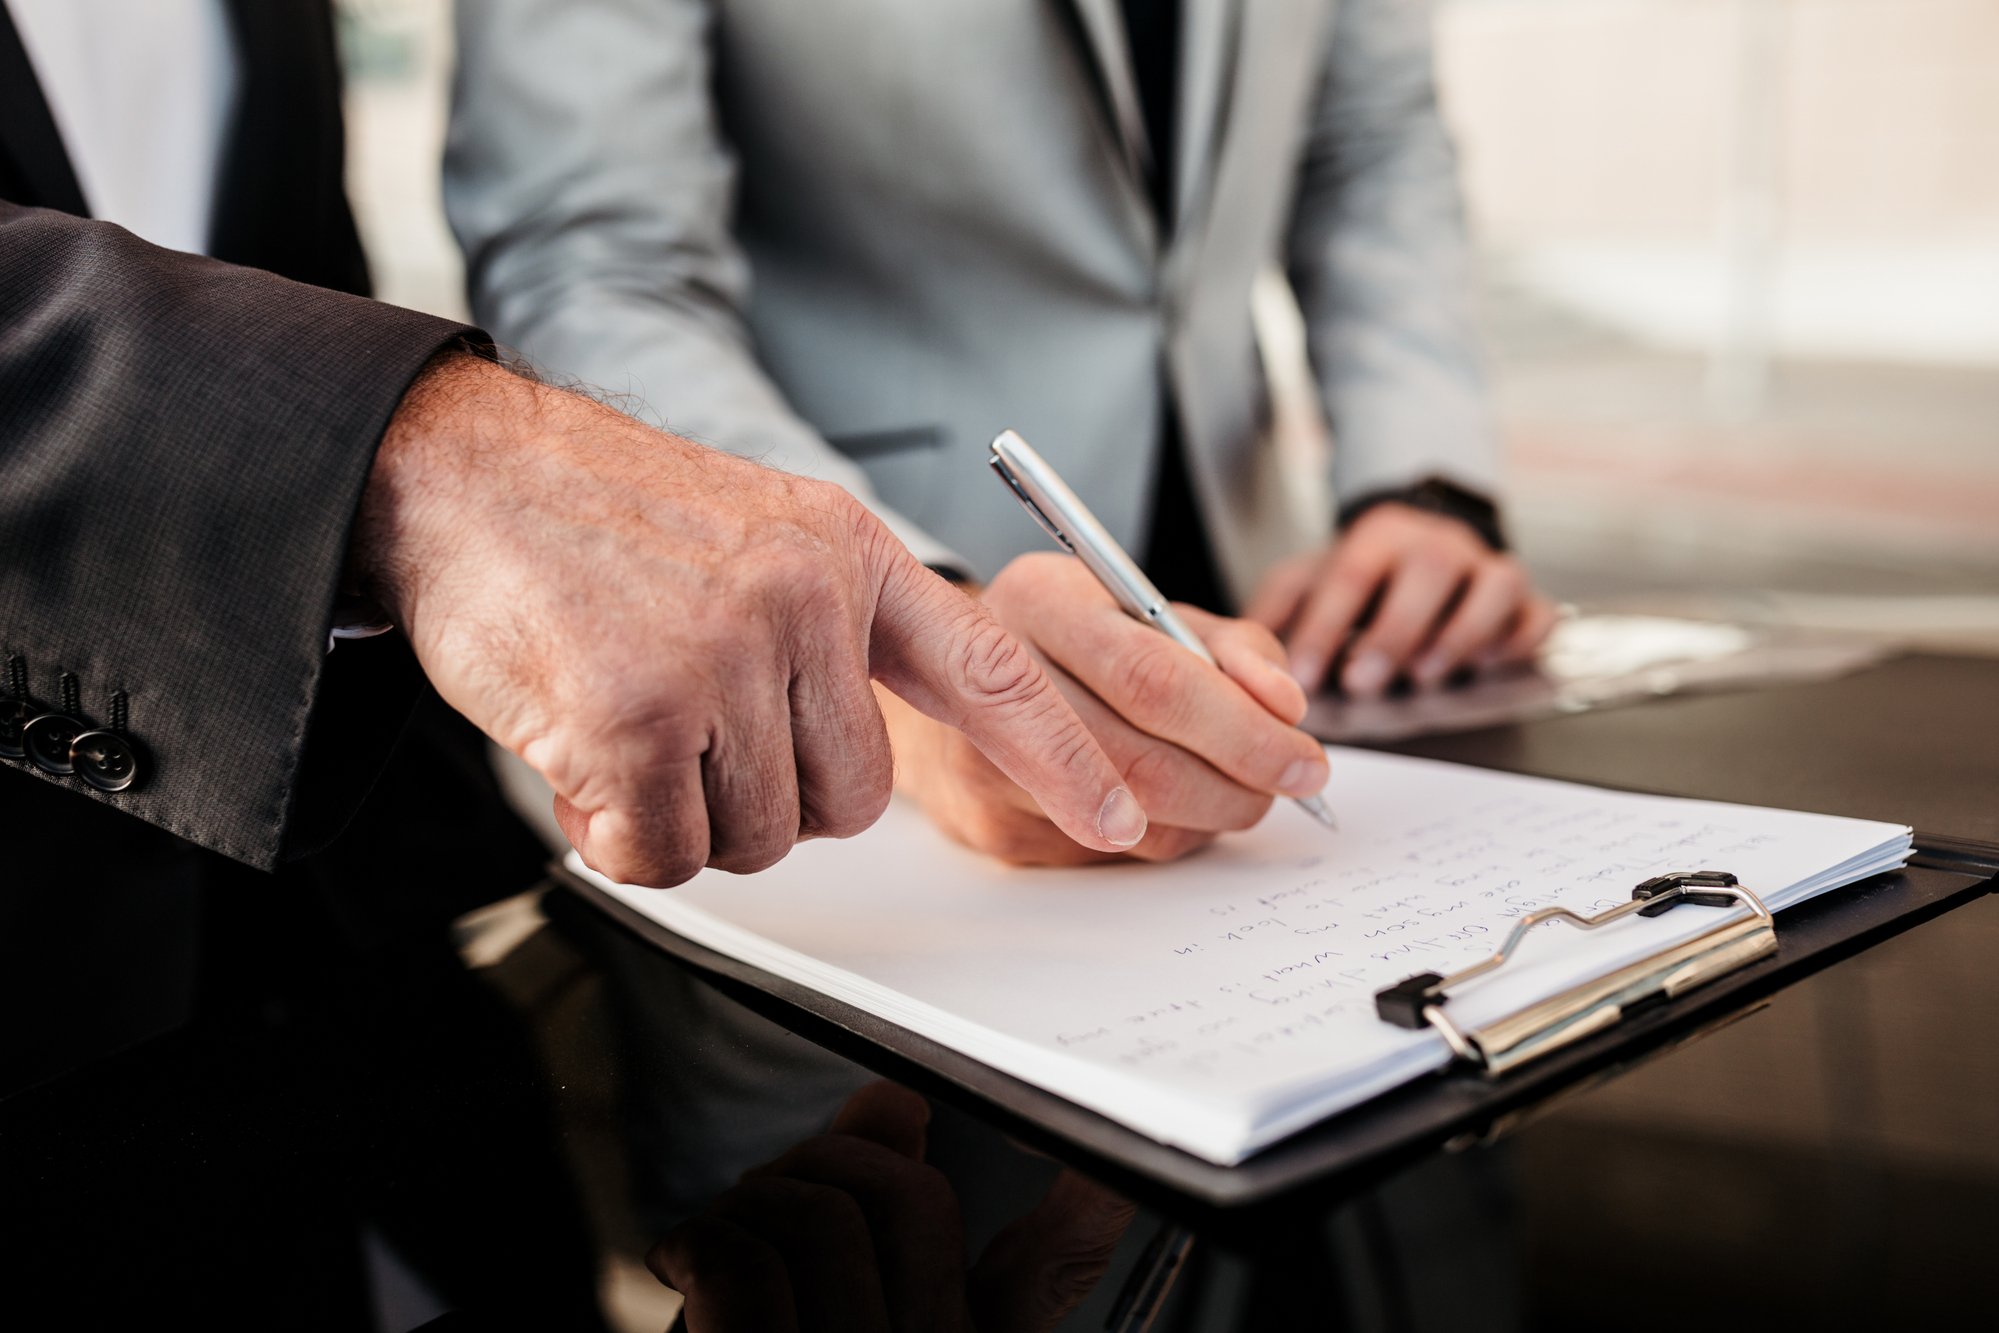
(1210, 43)
(31, 148)
(1103, 30)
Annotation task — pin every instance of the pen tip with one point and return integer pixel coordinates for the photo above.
(1316, 807)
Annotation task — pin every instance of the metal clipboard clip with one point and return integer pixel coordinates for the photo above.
(1550, 1024)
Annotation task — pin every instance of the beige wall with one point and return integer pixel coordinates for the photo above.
(1838, 199)
(1599, 142)
(1591, 118)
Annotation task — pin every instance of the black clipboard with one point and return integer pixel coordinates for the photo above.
(1460, 1108)
(1349, 1150)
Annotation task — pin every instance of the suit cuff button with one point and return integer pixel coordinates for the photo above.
(105, 760)
(48, 739)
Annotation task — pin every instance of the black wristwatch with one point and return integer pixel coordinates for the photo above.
(1434, 495)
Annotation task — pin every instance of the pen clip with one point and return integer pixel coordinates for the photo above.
(1040, 516)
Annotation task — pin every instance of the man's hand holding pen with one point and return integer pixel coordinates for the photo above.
(1203, 751)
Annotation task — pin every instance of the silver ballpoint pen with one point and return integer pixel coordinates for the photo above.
(1063, 516)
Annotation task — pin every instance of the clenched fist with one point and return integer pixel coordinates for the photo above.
(680, 641)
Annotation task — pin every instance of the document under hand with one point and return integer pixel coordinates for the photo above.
(1225, 1001)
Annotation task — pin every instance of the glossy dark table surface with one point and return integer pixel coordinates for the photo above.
(504, 1133)
(1914, 740)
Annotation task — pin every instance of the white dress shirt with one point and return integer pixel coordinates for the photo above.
(141, 91)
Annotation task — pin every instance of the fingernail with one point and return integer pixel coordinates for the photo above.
(1304, 777)
(1431, 670)
(1309, 672)
(1120, 823)
(1368, 674)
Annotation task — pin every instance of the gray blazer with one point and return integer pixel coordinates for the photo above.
(943, 206)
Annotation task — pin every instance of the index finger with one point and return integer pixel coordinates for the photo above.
(1160, 688)
(946, 655)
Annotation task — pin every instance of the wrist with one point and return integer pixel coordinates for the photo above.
(403, 519)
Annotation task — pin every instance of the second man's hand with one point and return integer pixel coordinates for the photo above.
(1402, 595)
(680, 641)
(1205, 752)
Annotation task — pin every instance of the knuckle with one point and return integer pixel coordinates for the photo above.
(676, 867)
(654, 863)
(839, 502)
(1156, 772)
(1256, 639)
(1041, 568)
(630, 860)
(878, 547)
(863, 815)
(1354, 577)
(744, 840)
(1438, 564)
(749, 858)
(857, 805)
(993, 666)
(1150, 680)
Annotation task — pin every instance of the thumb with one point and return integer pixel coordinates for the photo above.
(944, 653)
(1042, 1265)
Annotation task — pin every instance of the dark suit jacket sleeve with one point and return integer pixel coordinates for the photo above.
(183, 444)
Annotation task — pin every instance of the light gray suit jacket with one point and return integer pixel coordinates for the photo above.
(944, 207)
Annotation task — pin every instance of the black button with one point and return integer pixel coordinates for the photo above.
(14, 716)
(105, 759)
(48, 739)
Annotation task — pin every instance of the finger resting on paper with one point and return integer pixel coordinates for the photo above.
(1481, 619)
(1417, 597)
(1345, 587)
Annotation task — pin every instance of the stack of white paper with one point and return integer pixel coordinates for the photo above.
(1227, 1000)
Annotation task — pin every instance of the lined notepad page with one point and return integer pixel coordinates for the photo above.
(1222, 1002)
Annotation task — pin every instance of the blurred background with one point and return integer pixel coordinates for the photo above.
(1739, 277)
